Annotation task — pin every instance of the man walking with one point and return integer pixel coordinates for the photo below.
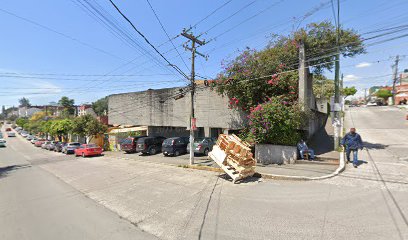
(352, 142)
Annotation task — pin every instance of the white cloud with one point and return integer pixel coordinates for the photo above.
(350, 78)
(363, 65)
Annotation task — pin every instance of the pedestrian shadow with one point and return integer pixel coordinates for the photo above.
(371, 146)
(361, 162)
(4, 171)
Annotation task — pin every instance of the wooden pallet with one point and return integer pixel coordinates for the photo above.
(233, 156)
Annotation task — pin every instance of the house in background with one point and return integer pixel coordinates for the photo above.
(85, 109)
(27, 112)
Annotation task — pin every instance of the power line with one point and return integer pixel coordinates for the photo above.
(61, 34)
(147, 41)
(164, 30)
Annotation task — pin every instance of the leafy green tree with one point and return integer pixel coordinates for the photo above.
(87, 126)
(24, 102)
(255, 77)
(61, 128)
(68, 105)
(323, 87)
(384, 94)
(349, 91)
(22, 122)
(100, 107)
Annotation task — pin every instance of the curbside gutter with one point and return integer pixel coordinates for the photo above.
(342, 166)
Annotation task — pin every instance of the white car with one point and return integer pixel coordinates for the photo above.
(371, 104)
(11, 134)
(2, 142)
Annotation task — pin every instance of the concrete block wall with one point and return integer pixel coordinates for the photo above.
(147, 108)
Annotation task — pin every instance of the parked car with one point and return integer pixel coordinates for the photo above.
(2, 142)
(24, 134)
(129, 144)
(149, 145)
(202, 145)
(86, 150)
(175, 146)
(8, 129)
(34, 140)
(58, 146)
(44, 145)
(70, 147)
(39, 142)
(11, 134)
(30, 137)
(51, 145)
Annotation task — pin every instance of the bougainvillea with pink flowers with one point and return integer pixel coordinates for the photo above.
(264, 84)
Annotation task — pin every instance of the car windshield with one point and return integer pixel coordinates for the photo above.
(74, 144)
(198, 140)
(168, 141)
(127, 141)
(91, 146)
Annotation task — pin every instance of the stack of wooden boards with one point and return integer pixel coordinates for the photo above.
(234, 156)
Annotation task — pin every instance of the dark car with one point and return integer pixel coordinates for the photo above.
(149, 145)
(58, 147)
(175, 146)
(129, 144)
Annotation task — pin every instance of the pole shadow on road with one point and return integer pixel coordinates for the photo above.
(4, 171)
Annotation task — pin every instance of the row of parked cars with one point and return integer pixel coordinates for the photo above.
(84, 150)
(174, 146)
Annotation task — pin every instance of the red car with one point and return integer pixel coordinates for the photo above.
(86, 150)
(39, 142)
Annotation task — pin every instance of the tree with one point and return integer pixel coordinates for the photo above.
(349, 91)
(68, 105)
(24, 102)
(61, 128)
(100, 107)
(88, 127)
(384, 94)
(255, 77)
(22, 122)
(323, 87)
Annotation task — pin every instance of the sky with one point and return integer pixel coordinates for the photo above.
(60, 48)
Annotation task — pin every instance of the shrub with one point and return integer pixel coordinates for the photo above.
(275, 122)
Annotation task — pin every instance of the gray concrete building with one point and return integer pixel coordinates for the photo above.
(162, 115)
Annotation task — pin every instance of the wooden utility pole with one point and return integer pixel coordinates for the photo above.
(194, 40)
(395, 66)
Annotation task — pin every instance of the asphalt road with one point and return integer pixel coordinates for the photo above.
(35, 204)
(369, 202)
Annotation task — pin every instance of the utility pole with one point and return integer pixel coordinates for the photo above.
(365, 95)
(336, 83)
(194, 40)
(395, 67)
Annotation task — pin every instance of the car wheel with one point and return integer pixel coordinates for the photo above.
(83, 155)
(152, 151)
(206, 152)
(176, 153)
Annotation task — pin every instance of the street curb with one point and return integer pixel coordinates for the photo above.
(340, 169)
(342, 166)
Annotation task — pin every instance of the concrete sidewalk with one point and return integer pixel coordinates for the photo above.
(306, 169)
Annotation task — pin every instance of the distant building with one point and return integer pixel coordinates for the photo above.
(28, 111)
(86, 109)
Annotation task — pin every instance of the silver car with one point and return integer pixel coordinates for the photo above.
(202, 145)
(70, 147)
